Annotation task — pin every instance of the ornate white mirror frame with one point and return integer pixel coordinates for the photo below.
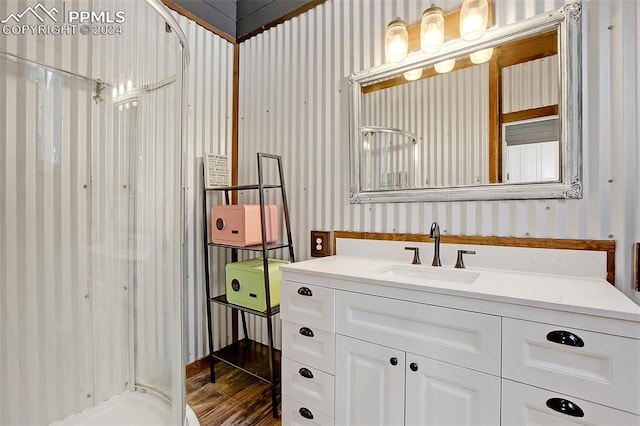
(567, 21)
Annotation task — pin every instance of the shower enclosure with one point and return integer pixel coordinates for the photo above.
(91, 213)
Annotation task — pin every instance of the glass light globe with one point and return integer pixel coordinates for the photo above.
(396, 41)
(445, 66)
(473, 19)
(481, 56)
(413, 74)
(432, 30)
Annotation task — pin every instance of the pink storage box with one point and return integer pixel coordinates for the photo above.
(239, 225)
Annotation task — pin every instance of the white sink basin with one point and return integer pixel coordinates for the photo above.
(429, 273)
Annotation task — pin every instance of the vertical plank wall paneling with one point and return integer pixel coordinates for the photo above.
(532, 84)
(210, 79)
(293, 102)
(45, 327)
(45, 232)
(452, 143)
(58, 308)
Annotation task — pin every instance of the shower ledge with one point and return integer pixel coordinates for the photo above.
(130, 408)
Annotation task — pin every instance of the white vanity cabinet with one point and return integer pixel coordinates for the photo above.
(378, 385)
(308, 354)
(391, 369)
(564, 369)
(392, 352)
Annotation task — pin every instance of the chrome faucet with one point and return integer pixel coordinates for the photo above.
(435, 233)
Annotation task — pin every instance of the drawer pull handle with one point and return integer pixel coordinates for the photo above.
(413, 366)
(307, 332)
(565, 406)
(305, 291)
(565, 338)
(393, 361)
(306, 373)
(306, 413)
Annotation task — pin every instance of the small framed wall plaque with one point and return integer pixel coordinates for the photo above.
(216, 170)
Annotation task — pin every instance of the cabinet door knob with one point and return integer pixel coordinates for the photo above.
(306, 373)
(565, 406)
(565, 338)
(307, 332)
(306, 413)
(413, 366)
(305, 291)
(393, 360)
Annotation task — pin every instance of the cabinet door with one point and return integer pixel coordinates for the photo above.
(444, 394)
(369, 383)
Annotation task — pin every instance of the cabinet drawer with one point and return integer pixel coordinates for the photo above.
(309, 346)
(602, 368)
(307, 304)
(306, 384)
(463, 338)
(294, 412)
(524, 405)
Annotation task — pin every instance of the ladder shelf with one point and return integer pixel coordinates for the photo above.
(246, 354)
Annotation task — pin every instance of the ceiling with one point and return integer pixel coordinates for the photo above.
(240, 19)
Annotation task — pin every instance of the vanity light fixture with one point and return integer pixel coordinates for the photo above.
(396, 41)
(432, 30)
(445, 66)
(481, 56)
(473, 19)
(413, 74)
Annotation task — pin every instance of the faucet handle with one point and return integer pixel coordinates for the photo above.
(460, 262)
(416, 255)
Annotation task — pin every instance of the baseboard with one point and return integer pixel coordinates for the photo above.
(196, 366)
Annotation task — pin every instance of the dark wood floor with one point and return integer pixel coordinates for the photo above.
(236, 398)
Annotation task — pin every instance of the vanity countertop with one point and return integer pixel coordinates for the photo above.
(559, 292)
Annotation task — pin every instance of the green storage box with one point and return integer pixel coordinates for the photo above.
(245, 283)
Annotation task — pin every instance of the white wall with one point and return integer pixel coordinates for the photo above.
(293, 102)
(209, 112)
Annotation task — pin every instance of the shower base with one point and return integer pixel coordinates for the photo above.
(128, 408)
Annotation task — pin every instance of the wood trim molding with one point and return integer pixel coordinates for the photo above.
(495, 129)
(461, 63)
(528, 49)
(515, 52)
(184, 12)
(547, 243)
(196, 366)
(528, 114)
(235, 119)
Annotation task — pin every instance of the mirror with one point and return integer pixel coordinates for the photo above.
(508, 128)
